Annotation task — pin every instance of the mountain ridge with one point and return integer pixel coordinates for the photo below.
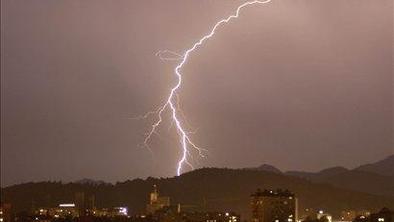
(211, 189)
(374, 178)
(223, 189)
(383, 167)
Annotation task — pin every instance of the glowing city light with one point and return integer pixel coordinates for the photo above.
(67, 205)
(122, 210)
(172, 102)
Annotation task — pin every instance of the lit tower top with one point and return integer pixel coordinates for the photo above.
(154, 195)
(156, 202)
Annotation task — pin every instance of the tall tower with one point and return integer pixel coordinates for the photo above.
(154, 195)
(156, 202)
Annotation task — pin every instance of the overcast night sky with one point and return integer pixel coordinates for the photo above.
(299, 84)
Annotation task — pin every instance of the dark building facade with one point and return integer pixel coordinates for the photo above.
(274, 206)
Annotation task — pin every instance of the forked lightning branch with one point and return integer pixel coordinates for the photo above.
(172, 102)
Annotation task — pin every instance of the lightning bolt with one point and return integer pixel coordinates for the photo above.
(172, 102)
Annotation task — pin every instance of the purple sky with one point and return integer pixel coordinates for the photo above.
(299, 84)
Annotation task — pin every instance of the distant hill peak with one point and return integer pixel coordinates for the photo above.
(383, 167)
(267, 168)
(389, 158)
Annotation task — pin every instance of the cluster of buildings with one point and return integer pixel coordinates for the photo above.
(159, 209)
(274, 206)
(266, 206)
(83, 206)
(70, 210)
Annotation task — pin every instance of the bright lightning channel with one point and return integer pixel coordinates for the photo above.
(185, 141)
